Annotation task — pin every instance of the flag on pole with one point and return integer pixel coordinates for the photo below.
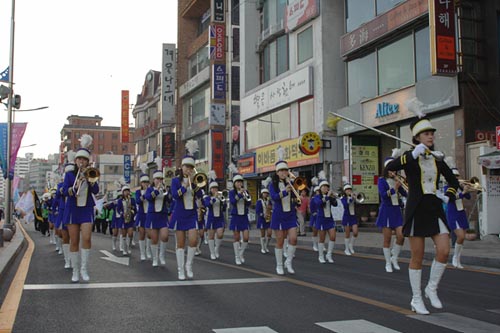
(4, 76)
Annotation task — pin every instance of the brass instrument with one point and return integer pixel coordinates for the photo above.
(403, 181)
(127, 208)
(302, 183)
(200, 179)
(359, 197)
(223, 195)
(245, 194)
(269, 210)
(473, 184)
(91, 174)
(333, 194)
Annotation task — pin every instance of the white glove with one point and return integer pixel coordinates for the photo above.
(441, 196)
(419, 150)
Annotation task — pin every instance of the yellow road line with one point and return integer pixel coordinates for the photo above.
(9, 308)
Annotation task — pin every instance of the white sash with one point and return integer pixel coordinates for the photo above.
(285, 201)
(81, 198)
(240, 204)
(459, 202)
(394, 197)
(188, 196)
(351, 206)
(144, 202)
(159, 202)
(216, 207)
(327, 209)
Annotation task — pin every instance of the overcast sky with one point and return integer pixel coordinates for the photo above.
(75, 56)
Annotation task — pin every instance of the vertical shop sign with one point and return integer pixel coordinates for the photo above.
(168, 79)
(125, 120)
(218, 153)
(219, 81)
(442, 35)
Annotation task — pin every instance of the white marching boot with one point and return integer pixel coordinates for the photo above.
(129, 244)
(179, 254)
(154, 252)
(266, 243)
(142, 249)
(351, 244)
(67, 261)
(315, 243)
(288, 262)
(85, 262)
(113, 243)
(437, 270)
(417, 303)
(163, 249)
(243, 247)
(236, 247)
(218, 241)
(278, 253)
(189, 262)
(457, 252)
(211, 247)
(387, 256)
(58, 244)
(321, 253)
(149, 253)
(74, 258)
(198, 247)
(205, 237)
(329, 254)
(120, 242)
(262, 245)
(285, 248)
(395, 255)
(346, 251)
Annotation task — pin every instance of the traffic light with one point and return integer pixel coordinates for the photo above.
(17, 102)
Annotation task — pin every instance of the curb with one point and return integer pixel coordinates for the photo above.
(10, 253)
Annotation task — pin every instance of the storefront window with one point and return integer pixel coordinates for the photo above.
(267, 129)
(362, 78)
(305, 45)
(422, 51)
(395, 65)
(306, 113)
(385, 5)
(359, 12)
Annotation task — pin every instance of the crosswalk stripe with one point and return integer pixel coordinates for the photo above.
(494, 310)
(355, 326)
(259, 329)
(457, 323)
(147, 284)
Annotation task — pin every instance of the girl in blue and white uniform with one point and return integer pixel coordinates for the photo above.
(284, 217)
(349, 220)
(126, 209)
(263, 211)
(140, 217)
(157, 217)
(216, 206)
(324, 220)
(240, 201)
(313, 212)
(79, 210)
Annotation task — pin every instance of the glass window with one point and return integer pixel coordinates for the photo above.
(305, 45)
(362, 78)
(280, 12)
(385, 5)
(199, 61)
(395, 65)
(196, 107)
(114, 136)
(236, 44)
(266, 72)
(359, 12)
(306, 114)
(274, 58)
(204, 22)
(268, 128)
(235, 83)
(202, 147)
(235, 12)
(422, 54)
(282, 54)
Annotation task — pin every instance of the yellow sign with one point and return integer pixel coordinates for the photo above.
(266, 157)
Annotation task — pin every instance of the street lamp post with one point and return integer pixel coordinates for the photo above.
(8, 195)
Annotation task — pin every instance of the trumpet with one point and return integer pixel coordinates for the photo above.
(359, 197)
(92, 174)
(332, 194)
(223, 195)
(245, 194)
(402, 180)
(472, 184)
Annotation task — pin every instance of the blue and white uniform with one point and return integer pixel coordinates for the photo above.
(185, 210)
(349, 217)
(260, 210)
(324, 218)
(126, 212)
(216, 209)
(239, 211)
(142, 208)
(156, 216)
(79, 208)
(284, 215)
(455, 212)
(390, 215)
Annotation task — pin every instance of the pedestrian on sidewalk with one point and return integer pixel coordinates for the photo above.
(424, 214)
(349, 220)
(390, 218)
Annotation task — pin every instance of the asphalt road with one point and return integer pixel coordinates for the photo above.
(354, 294)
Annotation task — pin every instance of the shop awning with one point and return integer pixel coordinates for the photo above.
(490, 160)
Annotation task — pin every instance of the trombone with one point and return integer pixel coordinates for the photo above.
(402, 180)
(299, 183)
(200, 179)
(472, 184)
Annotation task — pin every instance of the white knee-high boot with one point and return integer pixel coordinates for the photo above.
(154, 252)
(129, 244)
(163, 249)
(179, 254)
(75, 263)
(58, 244)
(236, 247)
(396, 249)
(437, 270)
(189, 262)
(351, 244)
(387, 256)
(211, 247)
(149, 253)
(315, 243)
(346, 250)
(278, 253)
(113, 243)
(329, 254)
(85, 262)
(218, 241)
(120, 244)
(67, 262)
(266, 243)
(142, 249)
(262, 245)
(243, 247)
(456, 256)
(321, 253)
(198, 247)
(288, 262)
(285, 248)
(417, 303)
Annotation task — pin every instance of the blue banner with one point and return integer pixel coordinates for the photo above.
(4, 76)
(219, 81)
(3, 148)
(127, 168)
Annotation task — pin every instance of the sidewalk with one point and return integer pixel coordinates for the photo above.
(484, 252)
(10, 250)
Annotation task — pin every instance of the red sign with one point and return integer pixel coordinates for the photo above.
(246, 165)
(169, 146)
(125, 120)
(442, 32)
(498, 136)
(217, 39)
(218, 153)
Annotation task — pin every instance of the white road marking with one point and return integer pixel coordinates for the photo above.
(147, 284)
(458, 323)
(494, 310)
(111, 257)
(355, 326)
(258, 329)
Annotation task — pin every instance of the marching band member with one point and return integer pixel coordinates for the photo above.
(240, 200)
(142, 208)
(125, 210)
(263, 210)
(389, 216)
(201, 211)
(313, 212)
(457, 219)
(349, 219)
(284, 217)
(424, 215)
(156, 217)
(185, 214)
(61, 207)
(80, 209)
(50, 217)
(216, 205)
(324, 219)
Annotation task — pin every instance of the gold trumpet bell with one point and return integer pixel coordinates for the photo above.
(200, 179)
(300, 183)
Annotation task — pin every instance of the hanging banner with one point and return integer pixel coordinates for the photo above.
(168, 79)
(127, 167)
(442, 33)
(18, 130)
(218, 153)
(125, 120)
